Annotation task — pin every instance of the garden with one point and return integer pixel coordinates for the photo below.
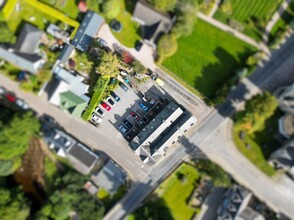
(207, 58)
(250, 16)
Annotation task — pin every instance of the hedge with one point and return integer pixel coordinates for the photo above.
(99, 89)
(8, 8)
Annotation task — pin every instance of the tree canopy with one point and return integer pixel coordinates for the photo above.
(6, 35)
(111, 8)
(108, 64)
(167, 46)
(257, 110)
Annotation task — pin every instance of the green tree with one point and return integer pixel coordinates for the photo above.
(108, 64)
(111, 8)
(257, 110)
(13, 204)
(6, 35)
(15, 137)
(167, 46)
(186, 11)
(163, 5)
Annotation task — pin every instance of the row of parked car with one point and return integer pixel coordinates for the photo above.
(10, 97)
(97, 115)
(126, 125)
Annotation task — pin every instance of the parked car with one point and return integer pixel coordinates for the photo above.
(128, 124)
(47, 119)
(143, 106)
(123, 129)
(141, 122)
(138, 45)
(99, 111)
(115, 96)
(95, 119)
(2, 90)
(135, 116)
(22, 104)
(110, 101)
(106, 106)
(123, 86)
(10, 97)
(102, 42)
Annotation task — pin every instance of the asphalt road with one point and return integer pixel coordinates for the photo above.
(276, 72)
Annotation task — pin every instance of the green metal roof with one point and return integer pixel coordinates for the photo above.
(72, 103)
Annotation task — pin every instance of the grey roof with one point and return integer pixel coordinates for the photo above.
(87, 30)
(29, 39)
(82, 154)
(66, 53)
(153, 22)
(249, 214)
(57, 32)
(286, 125)
(27, 62)
(284, 156)
(110, 177)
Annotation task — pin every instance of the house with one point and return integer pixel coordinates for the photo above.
(80, 157)
(57, 32)
(110, 177)
(286, 125)
(285, 96)
(88, 30)
(168, 122)
(283, 158)
(68, 91)
(238, 204)
(67, 52)
(24, 54)
(153, 23)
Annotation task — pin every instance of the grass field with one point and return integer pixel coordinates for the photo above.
(262, 144)
(253, 14)
(175, 192)
(208, 58)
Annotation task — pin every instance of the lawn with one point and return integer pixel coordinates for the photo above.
(36, 13)
(208, 58)
(68, 7)
(175, 192)
(262, 144)
(131, 30)
(252, 14)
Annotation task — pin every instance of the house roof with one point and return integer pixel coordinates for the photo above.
(66, 53)
(72, 103)
(28, 39)
(110, 177)
(28, 62)
(57, 32)
(284, 155)
(153, 22)
(286, 124)
(83, 155)
(87, 31)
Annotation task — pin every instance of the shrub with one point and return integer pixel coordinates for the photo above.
(167, 46)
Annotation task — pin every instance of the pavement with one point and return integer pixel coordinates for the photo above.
(274, 19)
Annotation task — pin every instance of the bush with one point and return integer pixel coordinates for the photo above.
(111, 8)
(163, 5)
(98, 89)
(167, 46)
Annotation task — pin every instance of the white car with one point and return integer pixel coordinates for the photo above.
(99, 111)
(22, 104)
(95, 119)
(2, 90)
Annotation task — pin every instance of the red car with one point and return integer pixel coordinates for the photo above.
(106, 106)
(135, 116)
(10, 97)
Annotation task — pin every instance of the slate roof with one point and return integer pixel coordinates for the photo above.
(110, 177)
(87, 31)
(66, 53)
(284, 156)
(286, 125)
(82, 154)
(29, 39)
(153, 22)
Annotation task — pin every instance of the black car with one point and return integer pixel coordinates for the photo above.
(123, 86)
(138, 45)
(128, 124)
(115, 96)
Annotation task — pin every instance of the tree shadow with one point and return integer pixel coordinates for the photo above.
(216, 74)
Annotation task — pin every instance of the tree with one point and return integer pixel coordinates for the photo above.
(13, 204)
(6, 35)
(127, 57)
(163, 5)
(111, 8)
(226, 7)
(257, 110)
(15, 137)
(186, 19)
(83, 62)
(167, 46)
(108, 64)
